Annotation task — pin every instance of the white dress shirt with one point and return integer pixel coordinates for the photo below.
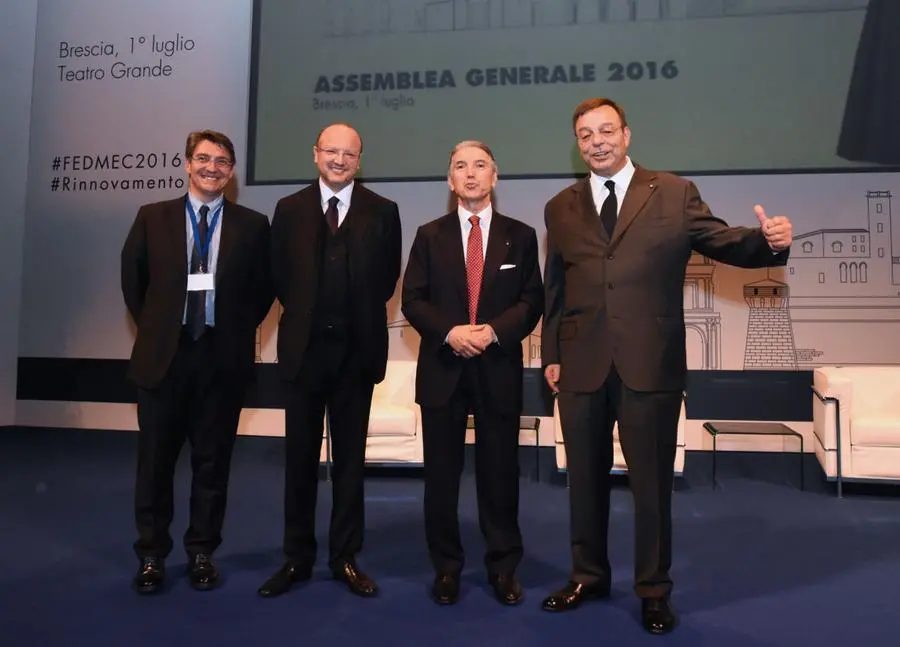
(343, 197)
(212, 254)
(622, 180)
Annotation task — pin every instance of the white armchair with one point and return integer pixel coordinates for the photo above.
(395, 422)
(856, 421)
(619, 466)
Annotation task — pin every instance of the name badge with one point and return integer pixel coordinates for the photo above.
(200, 282)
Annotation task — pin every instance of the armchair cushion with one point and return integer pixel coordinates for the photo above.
(388, 419)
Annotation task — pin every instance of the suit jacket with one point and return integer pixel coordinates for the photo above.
(154, 284)
(436, 298)
(374, 252)
(621, 300)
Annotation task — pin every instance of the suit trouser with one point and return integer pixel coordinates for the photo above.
(648, 431)
(329, 378)
(198, 402)
(496, 475)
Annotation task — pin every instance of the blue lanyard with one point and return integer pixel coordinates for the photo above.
(202, 248)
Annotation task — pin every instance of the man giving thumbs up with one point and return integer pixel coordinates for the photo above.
(613, 343)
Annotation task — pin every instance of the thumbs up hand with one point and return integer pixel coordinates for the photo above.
(778, 230)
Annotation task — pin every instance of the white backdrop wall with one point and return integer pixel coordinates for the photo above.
(77, 217)
(17, 39)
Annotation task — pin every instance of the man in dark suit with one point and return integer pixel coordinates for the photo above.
(613, 342)
(472, 290)
(195, 277)
(336, 249)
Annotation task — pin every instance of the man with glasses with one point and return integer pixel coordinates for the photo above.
(336, 249)
(195, 278)
(613, 342)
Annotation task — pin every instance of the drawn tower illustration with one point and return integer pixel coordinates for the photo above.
(770, 335)
(884, 230)
(845, 285)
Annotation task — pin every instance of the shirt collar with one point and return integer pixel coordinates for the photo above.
(622, 178)
(214, 204)
(343, 195)
(485, 215)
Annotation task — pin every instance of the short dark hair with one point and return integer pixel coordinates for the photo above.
(214, 136)
(592, 104)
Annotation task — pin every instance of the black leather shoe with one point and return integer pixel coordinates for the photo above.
(657, 616)
(286, 576)
(202, 572)
(445, 589)
(507, 589)
(357, 581)
(150, 575)
(572, 595)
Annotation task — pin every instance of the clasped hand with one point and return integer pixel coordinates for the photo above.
(470, 340)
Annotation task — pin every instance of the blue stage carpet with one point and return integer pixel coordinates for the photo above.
(757, 561)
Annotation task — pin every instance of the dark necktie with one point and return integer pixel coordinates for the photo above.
(196, 307)
(474, 266)
(608, 210)
(331, 214)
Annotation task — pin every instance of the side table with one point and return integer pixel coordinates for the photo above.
(720, 428)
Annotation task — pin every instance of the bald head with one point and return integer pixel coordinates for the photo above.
(339, 128)
(336, 154)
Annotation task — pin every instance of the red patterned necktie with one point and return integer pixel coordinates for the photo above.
(474, 267)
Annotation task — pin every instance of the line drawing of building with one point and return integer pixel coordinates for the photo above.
(867, 255)
(348, 18)
(844, 283)
(703, 324)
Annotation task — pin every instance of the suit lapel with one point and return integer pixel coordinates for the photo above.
(639, 191)
(358, 220)
(455, 256)
(586, 210)
(176, 223)
(497, 248)
(227, 238)
(309, 225)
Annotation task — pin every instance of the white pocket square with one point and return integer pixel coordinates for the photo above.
(507, 266)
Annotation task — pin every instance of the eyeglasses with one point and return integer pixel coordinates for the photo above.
(606, 133)
(219, 162)
(350, 156)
